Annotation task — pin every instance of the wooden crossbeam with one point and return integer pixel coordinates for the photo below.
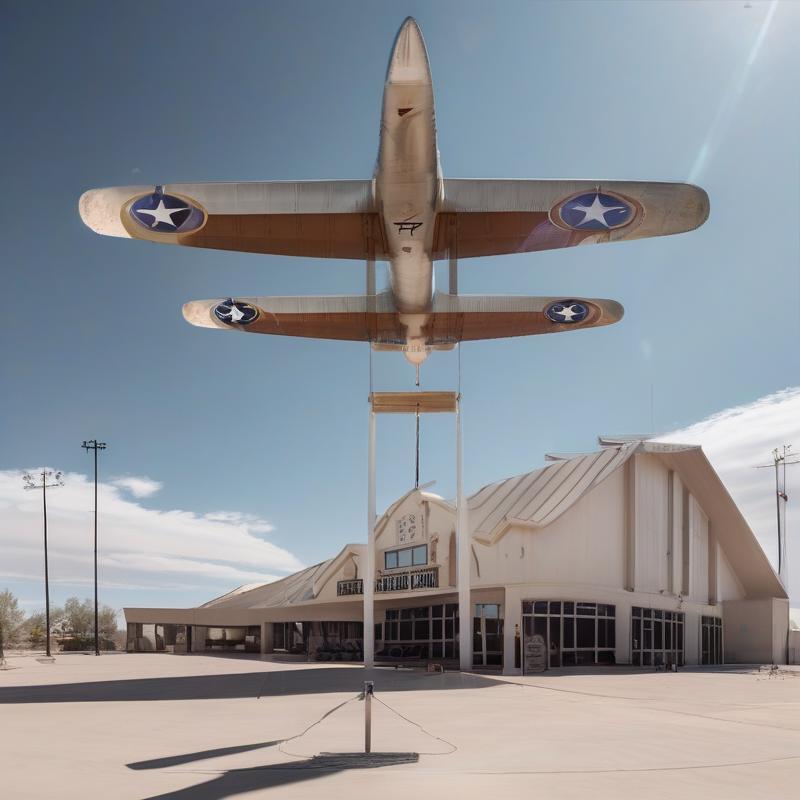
(414, 402)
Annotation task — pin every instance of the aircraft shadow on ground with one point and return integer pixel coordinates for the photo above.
(247, 684)
(239, 781)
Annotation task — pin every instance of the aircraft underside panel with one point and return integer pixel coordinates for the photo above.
(316, 219)
(373, 319)
(353, 236)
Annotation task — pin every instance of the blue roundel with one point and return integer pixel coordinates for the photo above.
(595, 211)
(234, 312)
(165, 213)
(566, 311)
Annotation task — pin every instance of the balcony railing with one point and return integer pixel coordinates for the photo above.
(350, 587)
(426, 578)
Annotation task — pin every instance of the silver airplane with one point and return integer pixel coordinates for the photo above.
(408, 215)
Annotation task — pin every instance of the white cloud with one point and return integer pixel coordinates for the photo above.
(736, 441)
(140, 547)
(138, 486)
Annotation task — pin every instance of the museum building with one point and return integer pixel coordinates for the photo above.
(634, 554)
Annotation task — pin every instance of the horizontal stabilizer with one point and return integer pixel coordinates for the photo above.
(374, 319)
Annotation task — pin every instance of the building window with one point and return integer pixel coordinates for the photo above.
(291, 637)
(244, 639)
(421, 633)
(487, 635)
(656, 637)
(711, 640)
(406, 557)
(576, 633)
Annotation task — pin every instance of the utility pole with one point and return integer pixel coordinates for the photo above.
(49, 480)
(93, 444)
(781, 458)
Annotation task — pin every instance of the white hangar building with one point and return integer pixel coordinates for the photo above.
(634, 554)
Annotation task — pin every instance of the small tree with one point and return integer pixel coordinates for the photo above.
(79, 617)
(34, 629)
(107, 622)
(11, 616)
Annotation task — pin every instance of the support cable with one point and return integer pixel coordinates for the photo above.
(328, 713)
(426, 732)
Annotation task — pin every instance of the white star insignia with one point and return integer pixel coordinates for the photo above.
(235, 314)
(161, 213)
(568, 313)
(596, 212)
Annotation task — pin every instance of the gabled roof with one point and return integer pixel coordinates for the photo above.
(291, 589)
(427, 497)
(538, 498)
(743, 551)
(335, 564)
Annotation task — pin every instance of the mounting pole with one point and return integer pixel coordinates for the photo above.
(370, 263)
(416, 469)
(368, 580)
(419, 403)
(369, 687)
(463, 548)
(453, 254)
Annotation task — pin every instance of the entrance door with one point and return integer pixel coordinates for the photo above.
(487, 636)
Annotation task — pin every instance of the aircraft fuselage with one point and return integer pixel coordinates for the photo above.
(407, 176)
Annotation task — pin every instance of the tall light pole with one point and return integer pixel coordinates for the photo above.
(49, 480)
(93, 444)
(780, 460)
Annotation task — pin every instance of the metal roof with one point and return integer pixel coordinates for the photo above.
(289, 590)
(538, 498)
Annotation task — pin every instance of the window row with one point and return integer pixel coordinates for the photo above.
(568, 607)
(423, 612)
(406, 557)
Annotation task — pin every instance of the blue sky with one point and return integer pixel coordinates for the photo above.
(271, 431)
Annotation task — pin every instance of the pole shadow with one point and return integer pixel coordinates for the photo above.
(200, 755)
(240, 781)
(265, 683)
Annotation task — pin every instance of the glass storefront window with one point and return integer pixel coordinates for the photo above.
(575, 632)
(656, 637)
(711, 640)
(421, 633)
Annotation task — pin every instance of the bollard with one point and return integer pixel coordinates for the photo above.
(368, 690)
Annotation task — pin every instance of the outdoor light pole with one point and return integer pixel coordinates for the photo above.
(93, 444)
(56, 480)
(780, 460)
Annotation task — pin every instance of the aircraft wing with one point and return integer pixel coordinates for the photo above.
(319, 219)
(497, 217)
(362, 318)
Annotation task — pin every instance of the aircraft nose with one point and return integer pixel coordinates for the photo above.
(409, 59)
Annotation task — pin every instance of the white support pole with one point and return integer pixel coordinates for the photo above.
(463, 553)
(370, 278)
(368, 576)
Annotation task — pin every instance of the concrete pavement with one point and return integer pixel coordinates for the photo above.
(146, 726)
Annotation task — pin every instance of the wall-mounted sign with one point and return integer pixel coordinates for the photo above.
(535, 654)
